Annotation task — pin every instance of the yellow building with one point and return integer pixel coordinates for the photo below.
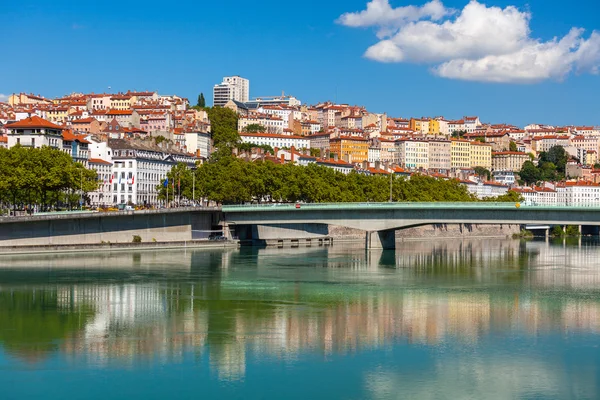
(481, 155)
(591, 157)
(414, 125)
(350, 149)
(460, 153)
(434, 127)
(57, 115)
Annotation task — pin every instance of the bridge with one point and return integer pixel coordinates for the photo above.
(381, 220)
(273, 222)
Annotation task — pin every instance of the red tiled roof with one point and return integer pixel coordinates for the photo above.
(33, 122)
(71, 137)
(119, 112)
(99, 161)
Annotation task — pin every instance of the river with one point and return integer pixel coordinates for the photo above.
(443, 319)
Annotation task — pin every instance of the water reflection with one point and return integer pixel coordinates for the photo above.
(229, 307)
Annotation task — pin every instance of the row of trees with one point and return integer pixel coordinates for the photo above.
(42, 178)
(229, 180)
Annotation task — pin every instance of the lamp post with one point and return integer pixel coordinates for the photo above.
(391, 187)
(81, 189)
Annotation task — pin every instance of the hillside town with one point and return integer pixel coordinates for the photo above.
(133, 139)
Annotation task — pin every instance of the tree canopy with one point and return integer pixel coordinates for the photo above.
(42, 177)
(201, 101)
(255, 128)
(229, 180)
(224, 127)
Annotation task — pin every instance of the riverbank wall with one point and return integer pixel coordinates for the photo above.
(116, 247)
(433, 231)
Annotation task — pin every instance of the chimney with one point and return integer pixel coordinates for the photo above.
(377, 165)
(282, 158)
(275, 150)
(326, 154)
(365, 165)
(335, 157)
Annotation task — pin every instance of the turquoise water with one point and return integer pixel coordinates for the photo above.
(481, 319)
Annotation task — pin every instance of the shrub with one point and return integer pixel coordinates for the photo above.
(137, 239)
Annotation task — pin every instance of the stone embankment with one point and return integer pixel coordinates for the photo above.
(433, 231)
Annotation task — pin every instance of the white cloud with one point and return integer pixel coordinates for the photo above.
(3, 98)
(481, 43)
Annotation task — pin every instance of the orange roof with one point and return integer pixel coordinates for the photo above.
(98, 161)
(119, 112)
(33, 122)
(71, 137)
(83, 121)
(272, 135)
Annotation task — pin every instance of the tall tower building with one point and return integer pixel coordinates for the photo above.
(232, 88)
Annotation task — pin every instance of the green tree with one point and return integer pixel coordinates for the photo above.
(224, 131)
(558, 156)
(529, 173)
(255, 128)
(201, 101)
(483, 173)
(315, 152)
(512, 146)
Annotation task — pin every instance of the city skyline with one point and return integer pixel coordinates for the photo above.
(334, 64)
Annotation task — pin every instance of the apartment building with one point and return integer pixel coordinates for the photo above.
(509, 160)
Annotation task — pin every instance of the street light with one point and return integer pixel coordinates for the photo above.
(81, 189)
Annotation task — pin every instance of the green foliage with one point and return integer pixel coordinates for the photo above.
(524, 234)
(509, 197)
(228, 180)
(558, 156)
(201, 101)
(250, 146)
(557, 231)
(160, 139)
(255, 128)
(480, 139)
(42, 177)
(137, 239)
(315, 152)
(223, 123)
(458, 134)
(483, 173)
(512, 146)
(572, 230)
(545, 171)
(597, 166)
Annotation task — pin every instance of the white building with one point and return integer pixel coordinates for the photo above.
(103, 195)
(374, 154)
(139, 168)
(274, 140)
(198, 143)
(486, 189)
(35, 132)
(232, 88)
(412, 154)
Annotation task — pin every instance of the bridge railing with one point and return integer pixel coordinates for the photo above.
(401, 205)
(372, 205)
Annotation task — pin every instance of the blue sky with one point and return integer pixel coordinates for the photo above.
(58, 47)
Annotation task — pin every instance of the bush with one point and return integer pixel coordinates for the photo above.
(572, 230)
(557, 231)
(137, 239)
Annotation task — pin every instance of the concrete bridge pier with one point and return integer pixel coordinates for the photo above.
(385, 240)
